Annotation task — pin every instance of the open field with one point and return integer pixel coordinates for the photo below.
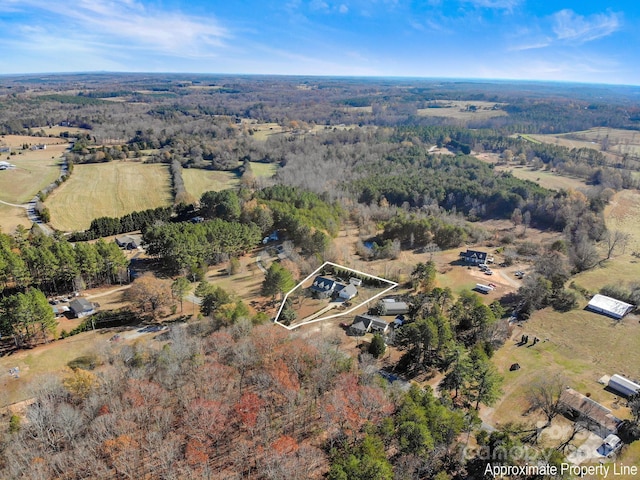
(262, 131)
(461, 110)
(38, 363)
(366, 109)
(11, 217)
(544, 178)
(581, 345)
(197, 181)
(266, 170)
(56, 130)
(623, 213)
(17, 141)
(617, 141)
(35, 169)
(108, 190)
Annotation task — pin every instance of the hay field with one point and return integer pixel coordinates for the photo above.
(545, 179)
(619, 141)
(460, 110)
(197, 181)
(57, 130)
(11, 217)
(35, 169)
(108, 190)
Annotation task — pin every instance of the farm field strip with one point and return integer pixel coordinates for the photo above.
(108, 190)
(197, 181)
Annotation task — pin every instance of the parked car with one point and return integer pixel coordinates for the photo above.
(488, 272)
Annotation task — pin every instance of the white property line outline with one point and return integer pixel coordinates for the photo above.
(393, 285)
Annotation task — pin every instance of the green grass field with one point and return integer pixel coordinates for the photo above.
(198, 181)
(108, 190)
(267, 170)
(34, 171)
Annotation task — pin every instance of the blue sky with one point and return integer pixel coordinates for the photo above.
(585, 41)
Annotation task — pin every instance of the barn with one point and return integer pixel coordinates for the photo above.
(623, 385)
(389, 306)
(609, 306)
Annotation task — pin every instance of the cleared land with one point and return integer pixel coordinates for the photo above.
(108, 190)
(266, 170)
(11, 217)
(544, 178)
(56, 130)
(262, 131)
(463, 110)
(617, 141)
(197, 181)
(35, 169)
(581, 345)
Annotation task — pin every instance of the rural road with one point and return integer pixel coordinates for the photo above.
(109, 292)
(259, 261)
(193, 299)
(25, 206)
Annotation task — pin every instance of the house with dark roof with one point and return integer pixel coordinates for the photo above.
(128, 242)
(323, 287)
(596, 417)
(474, 257)
(81, 307)
(368, 323)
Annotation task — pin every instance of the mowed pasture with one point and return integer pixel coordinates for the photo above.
(262, 131)
(11, 217)
(580, 345)
(35, 169)
(463, 110)
(57, 130)
(264, 170)
(108, 190)
(197, 181)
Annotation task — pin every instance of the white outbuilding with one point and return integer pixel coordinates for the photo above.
(609, 306)
(623, 385)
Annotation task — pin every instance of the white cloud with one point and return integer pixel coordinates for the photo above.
(495, 4)
(343, 8)
(569, 26)
(129, 23)
(318, 5)
(531, 46)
